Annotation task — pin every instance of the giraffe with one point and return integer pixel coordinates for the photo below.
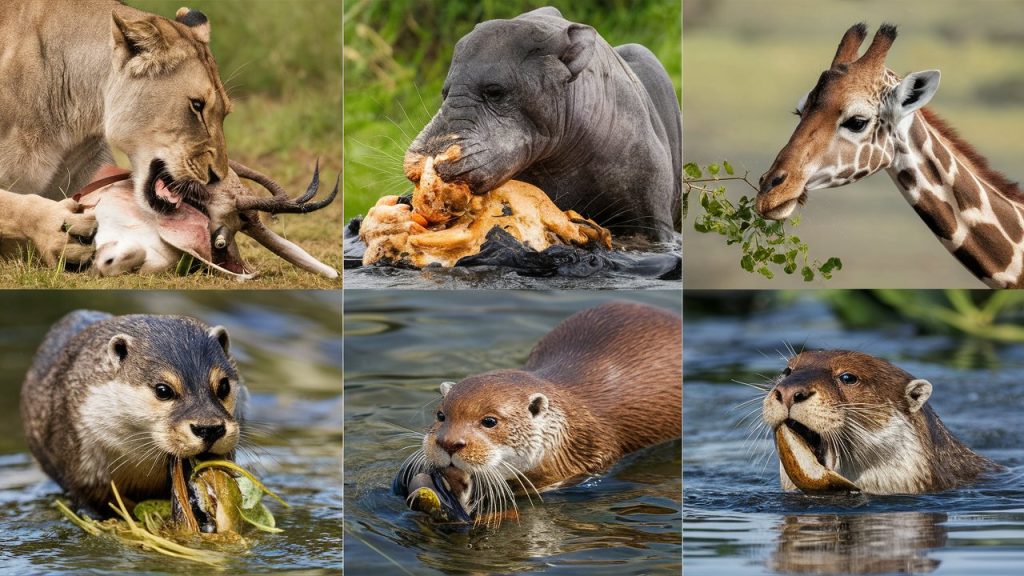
(861, 118)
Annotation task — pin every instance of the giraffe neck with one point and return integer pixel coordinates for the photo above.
(976, 214)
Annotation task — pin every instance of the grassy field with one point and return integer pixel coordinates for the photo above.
(747, 64)
(281, 63)
(397, 55)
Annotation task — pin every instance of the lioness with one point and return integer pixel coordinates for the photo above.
(79, 76)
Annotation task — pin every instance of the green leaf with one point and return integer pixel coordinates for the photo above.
(713, 169)
(251, 493)
(692, 170)
(260, 517)
(728, 167)
(158, 508)
(807, 273)
(747, 263)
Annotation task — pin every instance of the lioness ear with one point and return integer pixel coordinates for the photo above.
(580, 50)
(446, 387)
(144, 47)
(195, 20)
(918, 392)
(538, 404)
(117, 349)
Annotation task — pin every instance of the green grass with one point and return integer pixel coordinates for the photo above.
(281, 63)
(397, 55)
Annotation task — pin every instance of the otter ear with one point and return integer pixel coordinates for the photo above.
(580, 50)
(143, 48)
(117, 349)
(220, 334)
(195, 20)
(918, 392)
(446, 387)
(538, 404)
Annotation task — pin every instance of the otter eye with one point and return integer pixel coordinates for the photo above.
(855, 123)
(223, 388)
(163, 392)
(489, 422)
(492, 92)
(847, 378)
(197, 105)
(787, 371)
(440, 416)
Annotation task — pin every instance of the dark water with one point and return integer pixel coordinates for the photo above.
(289, 350)
(633, 265)
(399, 347)
(738, 521)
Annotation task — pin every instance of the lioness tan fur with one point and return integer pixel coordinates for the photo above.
(80, 76)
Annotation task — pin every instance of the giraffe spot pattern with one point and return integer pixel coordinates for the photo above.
(966, 189)
(938, 215)
(1007, 216)
(985, 251)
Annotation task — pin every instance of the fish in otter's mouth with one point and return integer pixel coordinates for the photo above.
(164, 194)
(808, 460)
(432, 494)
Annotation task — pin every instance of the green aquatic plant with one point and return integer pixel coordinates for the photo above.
(765, 245)
(226, 490)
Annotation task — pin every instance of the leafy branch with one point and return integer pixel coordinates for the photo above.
(766, 245)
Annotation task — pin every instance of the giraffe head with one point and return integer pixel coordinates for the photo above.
(849, 123)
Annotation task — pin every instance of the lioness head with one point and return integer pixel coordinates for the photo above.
(165, 106)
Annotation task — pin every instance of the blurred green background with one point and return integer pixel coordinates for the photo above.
(747, 64)
(397, 56)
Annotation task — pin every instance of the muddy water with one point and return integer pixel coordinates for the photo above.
(288, 346)
(738, 521)
(399, 347)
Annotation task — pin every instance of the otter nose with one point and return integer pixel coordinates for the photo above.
(789, 395)
(209, 434)
(772, 179)
(451, 446)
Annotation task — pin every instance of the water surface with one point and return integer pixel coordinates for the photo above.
(288, 346)
(399, 347)
(737, 520)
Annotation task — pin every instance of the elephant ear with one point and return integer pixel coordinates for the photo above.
(581, 41)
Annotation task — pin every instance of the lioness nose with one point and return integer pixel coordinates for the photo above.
(451, 446)
(771, 180)
(209, 434)
(790, 395)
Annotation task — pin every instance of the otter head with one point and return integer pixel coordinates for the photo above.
(165, 107)
(856, 413)
(489, 428)
(173, 389)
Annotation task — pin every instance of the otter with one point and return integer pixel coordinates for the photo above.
(114, 398)
(847, 421)
(605, 382)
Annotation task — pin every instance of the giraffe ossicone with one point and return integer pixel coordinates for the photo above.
(861, 118)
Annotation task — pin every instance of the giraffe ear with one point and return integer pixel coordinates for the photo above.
(916, 90)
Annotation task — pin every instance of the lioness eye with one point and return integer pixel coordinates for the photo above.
(198, 106)
(855, 124)
(847, 378)
(489, 422)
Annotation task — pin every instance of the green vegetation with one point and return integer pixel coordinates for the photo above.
(281, 63)
(765, 244)
(397, 56)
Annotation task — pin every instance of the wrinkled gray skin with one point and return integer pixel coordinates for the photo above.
(543, 100)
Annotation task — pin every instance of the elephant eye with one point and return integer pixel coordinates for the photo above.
(489, 422)
(492, 92)
(855, 124)
(847, 378)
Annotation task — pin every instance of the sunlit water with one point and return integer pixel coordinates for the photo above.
(738, 521)
(288, 346)
(399, 346)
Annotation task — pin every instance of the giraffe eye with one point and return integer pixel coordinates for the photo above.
(855, 124)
